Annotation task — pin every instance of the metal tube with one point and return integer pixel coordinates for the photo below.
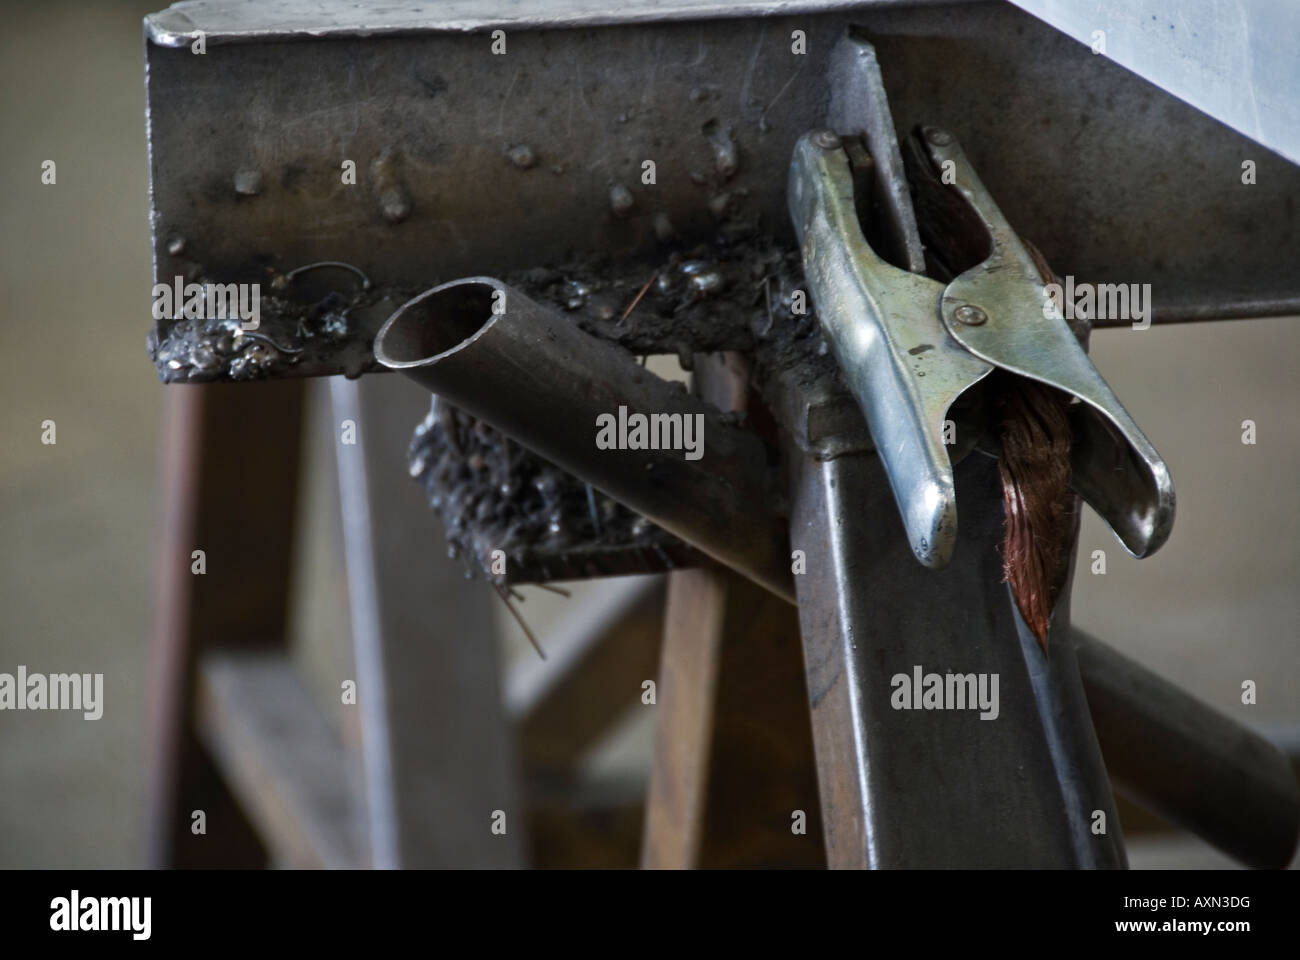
(1189, 763)
(541, 380)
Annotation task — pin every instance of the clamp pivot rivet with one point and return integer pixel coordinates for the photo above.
(940, 138)
(826, 139)
(971, 316)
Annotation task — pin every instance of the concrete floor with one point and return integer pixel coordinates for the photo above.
(1217, 606)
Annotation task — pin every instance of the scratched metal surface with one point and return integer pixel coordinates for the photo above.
(1113, 179)
(223, 21)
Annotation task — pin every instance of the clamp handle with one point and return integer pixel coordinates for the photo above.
(884, 329)
(998, 311)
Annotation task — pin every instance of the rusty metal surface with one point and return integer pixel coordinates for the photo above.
(248, 140)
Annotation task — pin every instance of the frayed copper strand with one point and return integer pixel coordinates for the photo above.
(1035, 469)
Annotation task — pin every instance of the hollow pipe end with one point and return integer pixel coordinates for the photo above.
(441, 321)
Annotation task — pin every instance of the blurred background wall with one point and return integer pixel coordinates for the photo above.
(1218, 605)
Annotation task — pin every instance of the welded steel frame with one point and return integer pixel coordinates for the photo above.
(290, 97)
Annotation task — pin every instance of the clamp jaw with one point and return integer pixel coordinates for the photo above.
(912, 348)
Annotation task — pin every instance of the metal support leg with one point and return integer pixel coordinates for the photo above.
(230, 482)
(1188, 763)
(942, 787)
(733, 780)
(438, 754)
